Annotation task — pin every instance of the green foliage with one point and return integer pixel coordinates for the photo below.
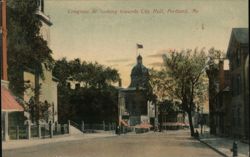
(95, 101)
(182, 80)
(26, 48)
(160, 84)
(90, 74)
(42, 113)
(214, 56)
(169, 106)
(186, 69)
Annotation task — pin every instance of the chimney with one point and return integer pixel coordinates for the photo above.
(221, 74)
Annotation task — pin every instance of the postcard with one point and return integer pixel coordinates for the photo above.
(115, 78)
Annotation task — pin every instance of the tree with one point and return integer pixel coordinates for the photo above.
(160, 84)
(185, 69)
(26, 47)
(96, 99)
(43, 113)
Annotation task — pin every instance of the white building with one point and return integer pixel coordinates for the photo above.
(48, 83)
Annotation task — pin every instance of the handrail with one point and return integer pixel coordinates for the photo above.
(75, 124)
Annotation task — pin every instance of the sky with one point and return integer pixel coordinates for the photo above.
(107, 31)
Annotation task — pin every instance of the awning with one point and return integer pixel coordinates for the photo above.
(124, 123)
(144, 126)
(9, 104)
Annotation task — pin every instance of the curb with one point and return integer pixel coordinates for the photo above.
(211, 147)
(49, 142)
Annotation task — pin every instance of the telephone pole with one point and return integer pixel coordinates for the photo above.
(4, 40)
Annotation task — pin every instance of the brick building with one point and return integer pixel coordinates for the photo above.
(237, 54)
(222, 101)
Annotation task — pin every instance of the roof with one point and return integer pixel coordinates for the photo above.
(8, 101)
(124, 123)
(240, 35)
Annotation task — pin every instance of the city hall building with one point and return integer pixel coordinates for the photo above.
(134, 106)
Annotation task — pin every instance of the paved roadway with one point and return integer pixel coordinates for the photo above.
(170, 144)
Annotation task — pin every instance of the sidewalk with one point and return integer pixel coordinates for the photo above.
(15, 144)
(224, 145)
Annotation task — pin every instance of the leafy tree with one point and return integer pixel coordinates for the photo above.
(160, 84)
(183, 79)
(26, 47)
(96, 100)
(43, 113)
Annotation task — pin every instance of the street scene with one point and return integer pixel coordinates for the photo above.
(172, 144)
(124, 78)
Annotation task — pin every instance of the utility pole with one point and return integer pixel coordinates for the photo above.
(4, 40)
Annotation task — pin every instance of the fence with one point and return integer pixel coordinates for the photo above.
(125, 129)
(93, 127)
(17, 132)
(47, 130)
(98, 126)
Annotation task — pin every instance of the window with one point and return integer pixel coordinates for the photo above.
(42, 5)
(77, 86)
(234, 117)
(238, 83)
(232, 85)
(238, 117)
(231, 64)
(238, 57)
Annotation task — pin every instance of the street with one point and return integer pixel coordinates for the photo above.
(167, 144)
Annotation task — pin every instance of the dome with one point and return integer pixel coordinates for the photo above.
(139, 74)
(139, 57)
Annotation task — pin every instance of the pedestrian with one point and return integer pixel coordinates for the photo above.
(196, 134)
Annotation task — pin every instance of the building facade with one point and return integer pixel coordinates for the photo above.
(134, 106)
(11, 110)
(47, 83)
(172, 120)
(229, 89)
(222, 102)
(237, 53)
(47, 93)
